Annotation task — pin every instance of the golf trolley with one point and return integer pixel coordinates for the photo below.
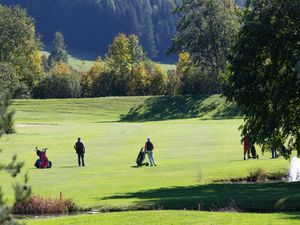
(43, 161)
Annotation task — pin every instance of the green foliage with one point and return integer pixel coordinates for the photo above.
(55, 85)
(59, 52)
(206, 30)
(262, 78)
(157, 79)
(125, 71)
(18, 44)
(9, 82)
(192, 79)
(6, 115)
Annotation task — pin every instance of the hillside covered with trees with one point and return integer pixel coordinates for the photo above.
(91, 25)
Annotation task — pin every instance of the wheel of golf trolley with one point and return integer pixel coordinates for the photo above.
(37, 163)
(147, 164)
(256, 156)
(49, 164)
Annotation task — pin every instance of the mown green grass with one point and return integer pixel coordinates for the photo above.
(82, 61)
(168, 66)
(173, 217)
(190, 153)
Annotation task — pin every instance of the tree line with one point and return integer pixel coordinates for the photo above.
(91, 25)
(125, 70)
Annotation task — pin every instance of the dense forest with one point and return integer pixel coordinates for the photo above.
(90, 25)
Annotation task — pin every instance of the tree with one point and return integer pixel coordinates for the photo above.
(60, 68)
(9, 81)
(136, 51)
(19, 49)
(124, 59)
(59, 52)
(58, 86)
(6, 115)
(206, 30)
(13, 168)
(157, 79)
(87, 79)
(194, 80)
(262, 78)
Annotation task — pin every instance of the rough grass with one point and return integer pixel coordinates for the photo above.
(37, 205)
(258, 175)
(190, 154)
(174, 217)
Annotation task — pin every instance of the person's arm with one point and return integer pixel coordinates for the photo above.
(145, 148)
(83, 148)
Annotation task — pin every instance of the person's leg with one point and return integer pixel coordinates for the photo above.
(78, 155)
(153, 159)
(149, 153)
(82, 159)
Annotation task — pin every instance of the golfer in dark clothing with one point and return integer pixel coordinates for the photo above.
(80, 150)
(149, 149)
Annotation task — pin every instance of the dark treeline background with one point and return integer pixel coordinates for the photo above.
(90, 25)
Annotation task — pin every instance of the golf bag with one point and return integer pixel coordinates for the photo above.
(253, 152)
(43, 161)
(141, 157)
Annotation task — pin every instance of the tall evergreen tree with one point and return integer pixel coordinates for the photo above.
(59, 52)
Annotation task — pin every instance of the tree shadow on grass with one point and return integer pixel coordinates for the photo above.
(181, 107)
(257, 197)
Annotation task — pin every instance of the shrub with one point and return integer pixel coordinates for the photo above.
(58, 86)
(37, 205)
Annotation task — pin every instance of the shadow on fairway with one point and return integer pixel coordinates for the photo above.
(66, 167)
(247, 197)
(181, 107)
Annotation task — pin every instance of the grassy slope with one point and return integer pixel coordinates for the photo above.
(83, 61)
(190, 153)
(173, 217)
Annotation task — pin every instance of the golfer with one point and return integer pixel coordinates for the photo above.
(80, 150)
(149, 150)
(245, 141)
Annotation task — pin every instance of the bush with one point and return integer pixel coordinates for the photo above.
(36, 205)
(104, 84)
(58, 86)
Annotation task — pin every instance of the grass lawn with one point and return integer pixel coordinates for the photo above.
(83, 61)
(195, 138)
(173, 217)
